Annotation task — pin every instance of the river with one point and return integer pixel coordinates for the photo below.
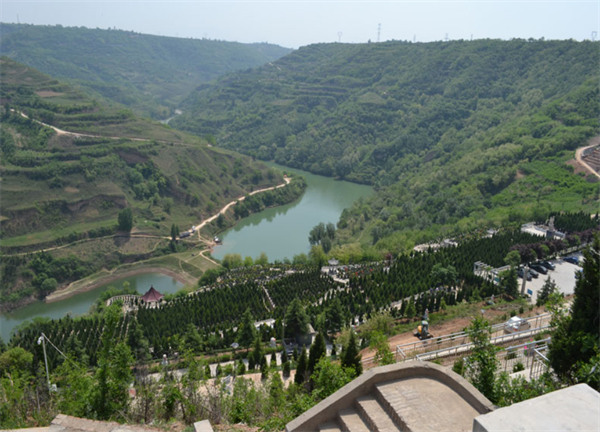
(79, 304)
(282, 232)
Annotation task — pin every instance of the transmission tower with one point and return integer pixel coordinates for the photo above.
(340, 36)
(378, 32)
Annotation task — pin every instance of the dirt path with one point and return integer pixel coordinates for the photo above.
(77, 134)
(91, 239)
(579, 152)
(242, 198)
(84, 286)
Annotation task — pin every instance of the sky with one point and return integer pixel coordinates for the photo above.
(295, 23)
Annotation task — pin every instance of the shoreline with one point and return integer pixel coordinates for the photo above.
(71, 290)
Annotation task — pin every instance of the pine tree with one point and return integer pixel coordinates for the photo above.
(547, 290)
(350, 357)
(482, 361)
(296, 320)
(301, 367)
(317, 350)
(247, 331)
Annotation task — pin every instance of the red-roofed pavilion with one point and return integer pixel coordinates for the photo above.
(152, 296)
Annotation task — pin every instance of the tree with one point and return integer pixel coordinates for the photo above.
(513, 258)
(547, 290)
(247, 331)
(482, 363)
(329, 377)
(125, 220)
(350, 357)
(383, 355)
(296, 320)
(231, 261)
(574, 349)
(509, 282)
(300, 376)
(334, 316)
(317, 350)
(174, 232)
(262, 259)
(411, 309)
(257, 352)
(113, 374)
(444, 275)
(317, 256)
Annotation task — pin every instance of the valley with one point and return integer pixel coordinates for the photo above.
(279, 209)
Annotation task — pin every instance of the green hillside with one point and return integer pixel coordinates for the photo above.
(454, 135)
(59, 188)
(149, 74)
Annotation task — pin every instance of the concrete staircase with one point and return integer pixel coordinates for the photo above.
(412, 397)
(369, 413)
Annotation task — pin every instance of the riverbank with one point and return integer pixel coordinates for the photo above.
(94, 281)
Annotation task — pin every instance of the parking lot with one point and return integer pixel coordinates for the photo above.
(563, 275)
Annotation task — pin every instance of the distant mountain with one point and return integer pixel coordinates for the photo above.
(149, 74)
(455, 135)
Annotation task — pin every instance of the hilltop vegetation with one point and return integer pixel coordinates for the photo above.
(454, 135)
(149, 74)
(59, 187)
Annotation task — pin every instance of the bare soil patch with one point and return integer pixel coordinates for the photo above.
(48, 93)
(493, 315)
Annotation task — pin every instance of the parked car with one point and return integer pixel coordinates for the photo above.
(547, 264)
(539, 268)
(572, 260)
(521, 271)
(516, 324)
(533, 273)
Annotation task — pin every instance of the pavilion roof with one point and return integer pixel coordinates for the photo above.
(152, 295)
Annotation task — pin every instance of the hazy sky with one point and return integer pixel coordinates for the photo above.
(293, 23)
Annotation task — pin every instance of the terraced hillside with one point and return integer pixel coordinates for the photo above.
(62, 187)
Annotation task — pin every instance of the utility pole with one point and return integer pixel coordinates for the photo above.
(42, 340)
(525, 273)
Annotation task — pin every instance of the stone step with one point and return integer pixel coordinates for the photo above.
(397, 404)
(330, 427)
(351, 421)
(374, 415)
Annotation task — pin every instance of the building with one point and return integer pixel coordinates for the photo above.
(152, 296)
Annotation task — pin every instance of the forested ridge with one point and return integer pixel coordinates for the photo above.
(454, 135)
(149, 74)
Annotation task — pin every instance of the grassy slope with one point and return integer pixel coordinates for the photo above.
(150, 74)
(454, 135)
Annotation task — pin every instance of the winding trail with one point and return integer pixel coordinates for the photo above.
(584, 164)
(242, 198)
